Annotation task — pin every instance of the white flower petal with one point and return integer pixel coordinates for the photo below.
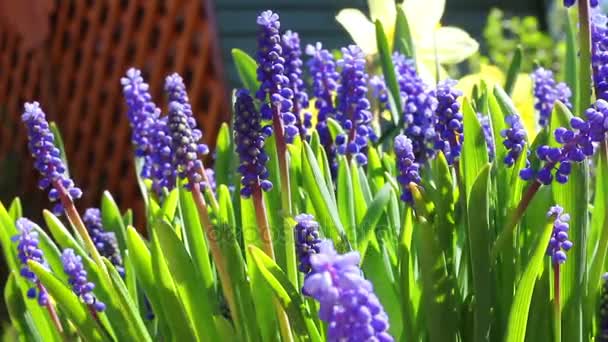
(423, 16)
(453, 46)
(361, 30)
(386, 12)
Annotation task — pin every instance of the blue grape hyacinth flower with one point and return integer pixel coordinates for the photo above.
(47, 157)
(546, 92)
(448, 125)
(28, 249)
(599, 54)
(570, 3)
(353, 112)
(515, 139)
(292, 53)
(406, 166)
(77, 277)
(274, 92)
(347, 300)
(105, 242)
(184, 147)
(249, 137)
(559, 243)
(488, 134)
(307, 240)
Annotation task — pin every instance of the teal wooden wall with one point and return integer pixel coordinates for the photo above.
(315, 20)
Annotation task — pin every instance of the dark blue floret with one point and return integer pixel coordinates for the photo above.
(72, 265)
(274, 93)
(28, 249)
(105, 242)
(249, 136)
(448, 127)
(559, 243)
(293, 69)
(184, 146)
(570, 3)
(514, 139)
(546, 92)
(488, 134)
(47, 157)
(353, 106)
(347, 300)
(406, 166)
(322, 69)
(599, 54)
(307, 240)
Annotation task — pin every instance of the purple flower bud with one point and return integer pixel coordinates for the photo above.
(570, 3)
(105, 242)
(72, 266)
(546, 92)
(47, 157)
(559, 242)
(515, 139)
(307, 240)
(184, 146)
(353, 107)
(407, 166)
(488, 134)
(249, 136)
(290, 43)
(448, 125)
(28, 249)
(347, 300)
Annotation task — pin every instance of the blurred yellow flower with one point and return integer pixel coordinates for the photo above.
(452, 45)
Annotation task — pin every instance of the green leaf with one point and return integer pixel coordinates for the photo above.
(359, 199)
(169, 205)
(187, 281)
(518, 316)
(247, 69)
(598, 241)
(289, 297)
(180, 323)
(474, 151)
(69, 303)
(19, 316)
(513, 71)
(224, 156)
(571, 70)
(112, 219)
(15, 210)
(388, 69)
(345, 197)
(315, 186)
(479, 248)
(372, 216)
(375, 170)
(403, 38)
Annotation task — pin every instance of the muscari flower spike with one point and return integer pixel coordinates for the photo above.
(274, 92)
(47, 157)
(28, 249)
(546, 92)
(419, 105)
(576, 145)
(406, 166)
(292, 52)
(559, 243)
(353, 111)
(184, 146)
(602, 334)
(176, 91)
(570, 3)
(77, 277)
(488, 134)
(142, 113)
(448, 125)
(599, 53)
(347, 300)
(250, 135)
(322, 68)
(307, 240)
(514, 139)
(105, 242)
(162, 170)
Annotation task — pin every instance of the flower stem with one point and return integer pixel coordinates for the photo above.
(218, 257)
(585, 56)
(76, 222)
(283, 159)
(266, 237)
(506, 233)
(51, 309)
(557, 316)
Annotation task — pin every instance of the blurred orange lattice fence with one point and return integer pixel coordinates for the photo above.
(73, 69)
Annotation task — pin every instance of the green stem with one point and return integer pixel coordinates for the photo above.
(584, 37)
(283, 159)
(506, 233)
(266, 237)
(218, 257)
(557, 315)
